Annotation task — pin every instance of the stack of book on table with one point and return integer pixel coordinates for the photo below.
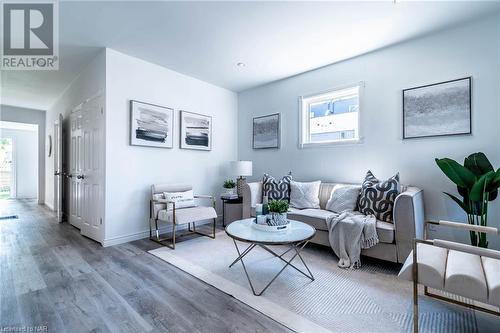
(229, 196)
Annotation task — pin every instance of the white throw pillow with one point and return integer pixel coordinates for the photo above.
(304, 195)
(343, 198)
(182, 199)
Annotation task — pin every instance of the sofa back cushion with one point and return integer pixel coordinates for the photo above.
(343, 198)
(325, 191)
(304, 195)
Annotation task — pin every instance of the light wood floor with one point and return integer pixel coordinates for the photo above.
(52, 276)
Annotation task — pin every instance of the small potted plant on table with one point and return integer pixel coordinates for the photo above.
(230, 187)
(277, 212)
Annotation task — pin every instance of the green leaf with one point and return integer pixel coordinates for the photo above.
(478, 163)
(494, 185)
(459, 202)
(481, 186)
(464, 192)
(457, 173)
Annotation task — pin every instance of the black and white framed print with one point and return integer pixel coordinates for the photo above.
(437, 109)
(151, 125)
(266, 131)
(196, 131)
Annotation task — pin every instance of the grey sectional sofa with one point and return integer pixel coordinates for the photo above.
(395, 239)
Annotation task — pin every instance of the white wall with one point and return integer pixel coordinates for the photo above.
(470, 50)
(130, 170)
(26, 160)
(89, 83)
(36, 117)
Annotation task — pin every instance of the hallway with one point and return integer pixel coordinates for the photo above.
(51, 276)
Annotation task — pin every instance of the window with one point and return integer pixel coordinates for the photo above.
(330, 117)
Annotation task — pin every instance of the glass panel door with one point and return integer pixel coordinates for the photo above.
(6, 167)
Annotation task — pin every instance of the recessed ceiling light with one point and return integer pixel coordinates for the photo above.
(241, 64)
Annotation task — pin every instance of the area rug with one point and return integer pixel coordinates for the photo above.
(370, 299)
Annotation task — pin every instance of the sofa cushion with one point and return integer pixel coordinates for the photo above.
(314, 217)
(492, 272)
(465, 276)
(188, 215)
(304, 195)
(385, 232)
(431, 266)
(317, 218)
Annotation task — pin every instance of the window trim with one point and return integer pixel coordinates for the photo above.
(304, 118)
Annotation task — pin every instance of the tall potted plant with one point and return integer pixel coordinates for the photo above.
(477, 183)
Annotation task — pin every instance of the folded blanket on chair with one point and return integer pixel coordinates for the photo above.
(349, 232)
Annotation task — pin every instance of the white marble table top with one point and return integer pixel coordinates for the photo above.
(242, 230)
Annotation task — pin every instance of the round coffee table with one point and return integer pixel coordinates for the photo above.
(295, 238)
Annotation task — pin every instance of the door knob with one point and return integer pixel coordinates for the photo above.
(80, 177)
(69, 175)
(57, 173)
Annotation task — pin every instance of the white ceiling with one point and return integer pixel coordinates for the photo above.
(206, 39)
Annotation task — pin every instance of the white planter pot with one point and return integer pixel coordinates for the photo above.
(230, 191)
(277, 219)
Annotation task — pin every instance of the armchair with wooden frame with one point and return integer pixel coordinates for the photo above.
(459, 269)
(163, 210)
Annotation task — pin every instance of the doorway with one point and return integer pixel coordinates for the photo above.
(18, 160)
(7, 177)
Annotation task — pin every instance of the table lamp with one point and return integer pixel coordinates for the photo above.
(241, 169)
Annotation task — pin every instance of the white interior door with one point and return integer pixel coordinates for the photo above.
(58, 174)
(75, 166)
(92, 171)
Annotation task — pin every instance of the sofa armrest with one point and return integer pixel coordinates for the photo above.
(252, 195)
(409, 220)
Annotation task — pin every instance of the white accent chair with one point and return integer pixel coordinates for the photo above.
(463, 270)
(162, 210)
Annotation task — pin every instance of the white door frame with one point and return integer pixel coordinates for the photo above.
(58, 172)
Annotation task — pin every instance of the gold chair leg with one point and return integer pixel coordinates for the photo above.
(415, 288)
(173, 236)
(170, 242)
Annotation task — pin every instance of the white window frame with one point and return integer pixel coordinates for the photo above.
(304, 117)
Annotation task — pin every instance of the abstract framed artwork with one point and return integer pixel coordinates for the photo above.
(151, 125)
(438, 109)
(266, 131)
(196, 131)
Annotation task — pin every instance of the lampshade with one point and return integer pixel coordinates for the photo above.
(241, 168)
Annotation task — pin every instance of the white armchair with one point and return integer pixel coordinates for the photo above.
(163, 210)
(464, 270)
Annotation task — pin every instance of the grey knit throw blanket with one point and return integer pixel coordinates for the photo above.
(349, 232)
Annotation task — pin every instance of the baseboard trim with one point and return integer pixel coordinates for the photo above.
(138, 235)
(125, 238)
(49, 205)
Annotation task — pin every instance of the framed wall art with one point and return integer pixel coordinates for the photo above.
(437, 109)
(151, 125)
(266, 131)
(196, 131)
